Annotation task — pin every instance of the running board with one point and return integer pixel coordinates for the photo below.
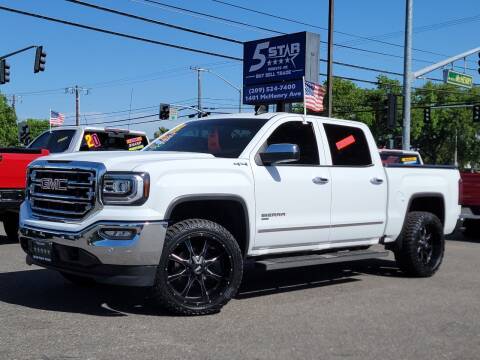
(316, 259)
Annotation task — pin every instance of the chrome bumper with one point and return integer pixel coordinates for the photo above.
(144, 247)
(468, 214)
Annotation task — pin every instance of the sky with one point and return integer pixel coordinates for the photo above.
(122, 74)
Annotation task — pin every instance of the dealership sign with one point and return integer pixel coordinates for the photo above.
(273, 68)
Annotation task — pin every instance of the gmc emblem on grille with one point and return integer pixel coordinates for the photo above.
(53, 184)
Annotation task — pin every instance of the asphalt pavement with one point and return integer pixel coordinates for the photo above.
(361, 310)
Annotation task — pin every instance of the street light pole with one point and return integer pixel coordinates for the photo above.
(407, 75)
(239, 89)
(331, 5)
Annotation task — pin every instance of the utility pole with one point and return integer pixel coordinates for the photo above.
(77, 90)
(407, 75)
(14, 99)
(331, 6)
(199, 88)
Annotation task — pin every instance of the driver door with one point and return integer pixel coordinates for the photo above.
(292, 199)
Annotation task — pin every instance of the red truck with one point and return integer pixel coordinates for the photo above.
(470, 201)
(14, 161)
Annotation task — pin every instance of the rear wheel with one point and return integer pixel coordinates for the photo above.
(10, 224)
(419, 250)
(200, 268)
(472, 228)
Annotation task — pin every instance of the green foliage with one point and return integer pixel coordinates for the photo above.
(8, 124)
(161, 130)
(37, 126)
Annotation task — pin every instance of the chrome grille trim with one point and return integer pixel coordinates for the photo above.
(74, 193)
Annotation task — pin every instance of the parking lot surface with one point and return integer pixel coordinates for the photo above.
(361, 310)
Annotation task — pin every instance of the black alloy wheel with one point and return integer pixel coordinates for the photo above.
(200, 269)
(420, 248)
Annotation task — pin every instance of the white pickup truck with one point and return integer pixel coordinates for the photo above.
(185, 215)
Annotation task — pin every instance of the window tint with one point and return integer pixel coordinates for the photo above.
(109, 141)
(40, 142)
(60, 140)
(56, 141)
(296, 132)
(225, 138)
(348, 145)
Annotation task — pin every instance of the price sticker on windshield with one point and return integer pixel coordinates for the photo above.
(92, 141)
(135, 143)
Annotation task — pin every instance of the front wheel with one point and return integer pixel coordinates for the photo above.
(200, 268)
(420, 248)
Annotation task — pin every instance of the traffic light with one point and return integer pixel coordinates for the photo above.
(392, 111)
(4, 72)
(164, 113)
(476, 113)
(426, 115)
(24, 134)
(40, 56)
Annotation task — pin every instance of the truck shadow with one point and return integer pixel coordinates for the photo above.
(5, 240)
(46, 290)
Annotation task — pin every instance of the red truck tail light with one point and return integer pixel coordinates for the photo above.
(460, 191)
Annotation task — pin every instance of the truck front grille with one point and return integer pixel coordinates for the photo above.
(62, 193)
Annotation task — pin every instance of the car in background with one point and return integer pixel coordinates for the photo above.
(470, 201)
(14, 161)
(405, 157)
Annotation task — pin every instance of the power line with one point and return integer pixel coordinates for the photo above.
(110, 32)
(156, 22)
(321, 28)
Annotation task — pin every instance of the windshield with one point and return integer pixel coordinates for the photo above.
(56, 141)
(108, 141)
(225, 138)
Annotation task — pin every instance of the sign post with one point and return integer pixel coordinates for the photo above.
(274, 68)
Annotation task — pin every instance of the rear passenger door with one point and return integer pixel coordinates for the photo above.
(359, 186)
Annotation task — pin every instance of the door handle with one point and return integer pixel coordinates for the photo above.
(376, 181)
(320, 180)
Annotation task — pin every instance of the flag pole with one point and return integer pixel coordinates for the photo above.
(304, 104)
(50, 120)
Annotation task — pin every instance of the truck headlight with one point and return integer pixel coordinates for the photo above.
(125, 188)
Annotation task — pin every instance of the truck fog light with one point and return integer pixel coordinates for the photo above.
(118, 234)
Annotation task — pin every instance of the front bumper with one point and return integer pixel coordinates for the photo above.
(10, 199)
(92, 253)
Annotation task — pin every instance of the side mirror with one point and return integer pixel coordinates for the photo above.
(280, 154)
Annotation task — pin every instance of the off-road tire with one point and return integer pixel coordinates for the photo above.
(410, 249)
(193, 232)
(472, 228)
(78, 280)
(10, 224)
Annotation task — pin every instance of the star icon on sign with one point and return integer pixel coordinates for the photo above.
(280, 61)
(275, 62)
(269, 63)
(287, 60)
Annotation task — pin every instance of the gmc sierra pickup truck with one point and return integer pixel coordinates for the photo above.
(14, 161)
(278, 190)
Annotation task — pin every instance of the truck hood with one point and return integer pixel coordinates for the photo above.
(127, 160)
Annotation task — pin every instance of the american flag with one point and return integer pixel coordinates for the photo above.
(56, 118)
(313, 97)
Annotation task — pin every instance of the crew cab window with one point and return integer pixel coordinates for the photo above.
(303, 135)
(111, 140)
(56, 141)
(225, 138)
(348, 145)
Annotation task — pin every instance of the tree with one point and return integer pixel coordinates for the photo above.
(161, 130)
(37, 126)
(8, 124)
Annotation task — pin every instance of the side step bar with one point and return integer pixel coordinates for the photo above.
(316, 259)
